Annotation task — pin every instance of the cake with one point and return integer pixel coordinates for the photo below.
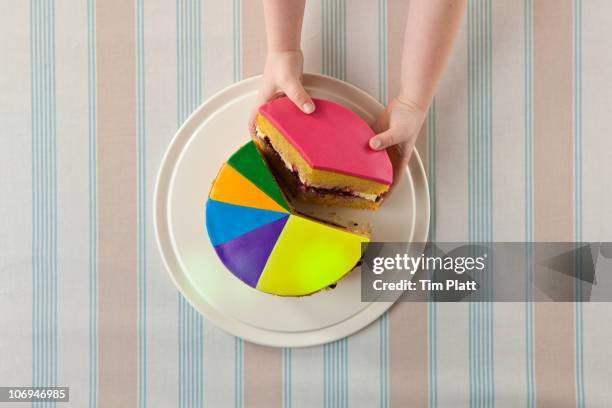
(264, 242)
(323, 157)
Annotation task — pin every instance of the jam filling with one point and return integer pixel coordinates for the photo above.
(317, 190)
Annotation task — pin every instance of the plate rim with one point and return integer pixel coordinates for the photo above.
(229, 324)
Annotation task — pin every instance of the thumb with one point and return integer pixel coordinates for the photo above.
(298, 95)
(265, 94)
(385, 139)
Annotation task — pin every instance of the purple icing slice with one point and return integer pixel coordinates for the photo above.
(246, 255)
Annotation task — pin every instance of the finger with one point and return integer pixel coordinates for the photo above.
(298, 95)
(385, 139)
(400, 156)
(265, 94)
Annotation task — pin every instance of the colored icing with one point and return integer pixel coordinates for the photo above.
(225, 222)
(331, 138)
(247, 254)
(262, 244)
(309, 256)
(233, 188)
(248, 162)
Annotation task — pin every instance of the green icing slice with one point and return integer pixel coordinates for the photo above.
(248, 162)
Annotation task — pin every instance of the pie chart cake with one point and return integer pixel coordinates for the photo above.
(264, 242)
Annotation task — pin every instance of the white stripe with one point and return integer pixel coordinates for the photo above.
(219, 365)
(597, 353)
(73, 197)
(452, 367)
(596, 124)
(307, 376)
(362, 45)
(16, 193)
(311, 37)
(451, 141)
(597, 196)
(509, 122)
(217, 46)
(364, 368)
(160, 103)
(510, 375)
(451, 161)
(508, 115)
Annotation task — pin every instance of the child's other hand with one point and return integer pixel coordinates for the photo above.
(398, 127)
(283, 75)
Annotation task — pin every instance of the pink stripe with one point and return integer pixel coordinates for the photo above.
(116, 114)
(554, 331)
(263, 383)
(408, 340)
(408, 369)
(253, 38)
(408, 366)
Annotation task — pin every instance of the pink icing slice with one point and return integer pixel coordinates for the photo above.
(331, 138)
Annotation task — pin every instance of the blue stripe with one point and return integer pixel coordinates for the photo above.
(480, 190)
(52, 277)
(577, 119)
(189, 96)
(384, 360)
(470, 20)
(237, 40)
(44, 196)
(383, 337)
(239, 344)
(333, 42)
(382, 51)
(142, 210)
(54, 295)
(325, 362)
(287, 399)
(490, 306)
(529, 340)
(93, 225)
(238, 372)
(431, 303)
(335, 374)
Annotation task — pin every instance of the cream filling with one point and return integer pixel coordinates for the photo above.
(289, 166)
(369, 197)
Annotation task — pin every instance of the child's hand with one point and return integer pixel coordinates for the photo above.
(398, 126)
(283, 75)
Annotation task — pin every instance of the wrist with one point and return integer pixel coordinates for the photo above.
(283, 51)
(411, 104)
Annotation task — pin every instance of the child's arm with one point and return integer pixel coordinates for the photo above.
(284, 63)
(431, 28)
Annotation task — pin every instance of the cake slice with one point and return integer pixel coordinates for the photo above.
(324, 157)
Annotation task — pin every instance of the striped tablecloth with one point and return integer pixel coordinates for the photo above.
(517, 147)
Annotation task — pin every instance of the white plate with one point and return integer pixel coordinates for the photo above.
(210, 135)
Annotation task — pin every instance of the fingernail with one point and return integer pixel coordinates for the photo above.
(375, 144)
(308, 107)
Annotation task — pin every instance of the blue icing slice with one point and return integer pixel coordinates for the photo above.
(225, 222)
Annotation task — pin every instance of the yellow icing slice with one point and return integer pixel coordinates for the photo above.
(233, 188)
(309, 256)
